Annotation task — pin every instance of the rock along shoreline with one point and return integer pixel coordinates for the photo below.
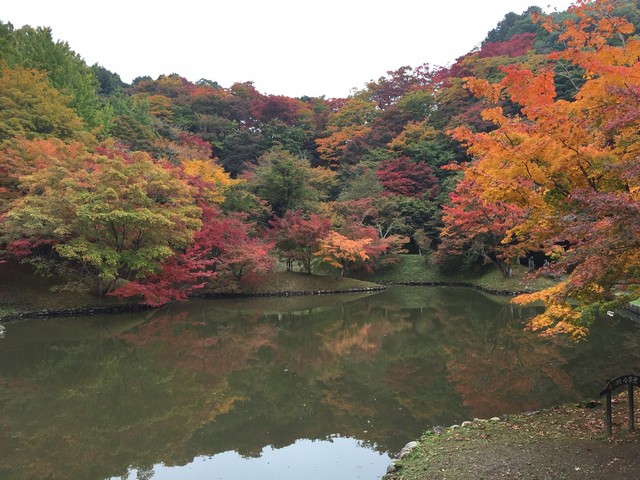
(396, 462)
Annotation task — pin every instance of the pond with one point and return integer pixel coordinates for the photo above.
(284, 388)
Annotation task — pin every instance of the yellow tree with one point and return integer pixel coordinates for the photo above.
(31, 107)
(160, 106)
(211, 178)
(572, 164)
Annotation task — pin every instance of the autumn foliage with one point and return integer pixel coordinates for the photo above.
(341, 252)
(298, 238)
(159, 189)
(107, 214)
(571, 164)
(477, 227)
(401, 176)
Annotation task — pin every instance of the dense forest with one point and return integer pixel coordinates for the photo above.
(526, 147)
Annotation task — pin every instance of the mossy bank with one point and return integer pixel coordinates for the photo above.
(563, 442)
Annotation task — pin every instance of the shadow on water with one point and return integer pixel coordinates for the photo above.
(229, 385)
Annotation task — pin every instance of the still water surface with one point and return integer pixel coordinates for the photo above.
(282, 388)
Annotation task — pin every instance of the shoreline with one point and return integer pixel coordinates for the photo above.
(139, 307)
(28, 296)
(564, 441)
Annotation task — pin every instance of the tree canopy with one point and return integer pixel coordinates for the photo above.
(524, 146)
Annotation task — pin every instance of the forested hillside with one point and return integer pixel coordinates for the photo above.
(524, 148)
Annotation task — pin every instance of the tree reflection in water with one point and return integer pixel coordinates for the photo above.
(100, 397)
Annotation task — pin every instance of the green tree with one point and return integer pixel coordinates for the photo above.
(283, 180)
(363, 183)
(513, 24)
(109, 82)
(239, 150)
(131, 122)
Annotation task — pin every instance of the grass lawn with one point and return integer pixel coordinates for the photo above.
(420, 269)
(21, 290)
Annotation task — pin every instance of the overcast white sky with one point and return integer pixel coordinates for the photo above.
(286, 47)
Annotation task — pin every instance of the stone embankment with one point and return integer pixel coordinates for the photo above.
(492, 291)
(73, 312)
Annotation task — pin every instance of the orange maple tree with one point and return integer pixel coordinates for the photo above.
(352, 121)
(572, 164)
(340, 251)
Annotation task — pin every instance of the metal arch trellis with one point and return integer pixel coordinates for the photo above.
(630, 381)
